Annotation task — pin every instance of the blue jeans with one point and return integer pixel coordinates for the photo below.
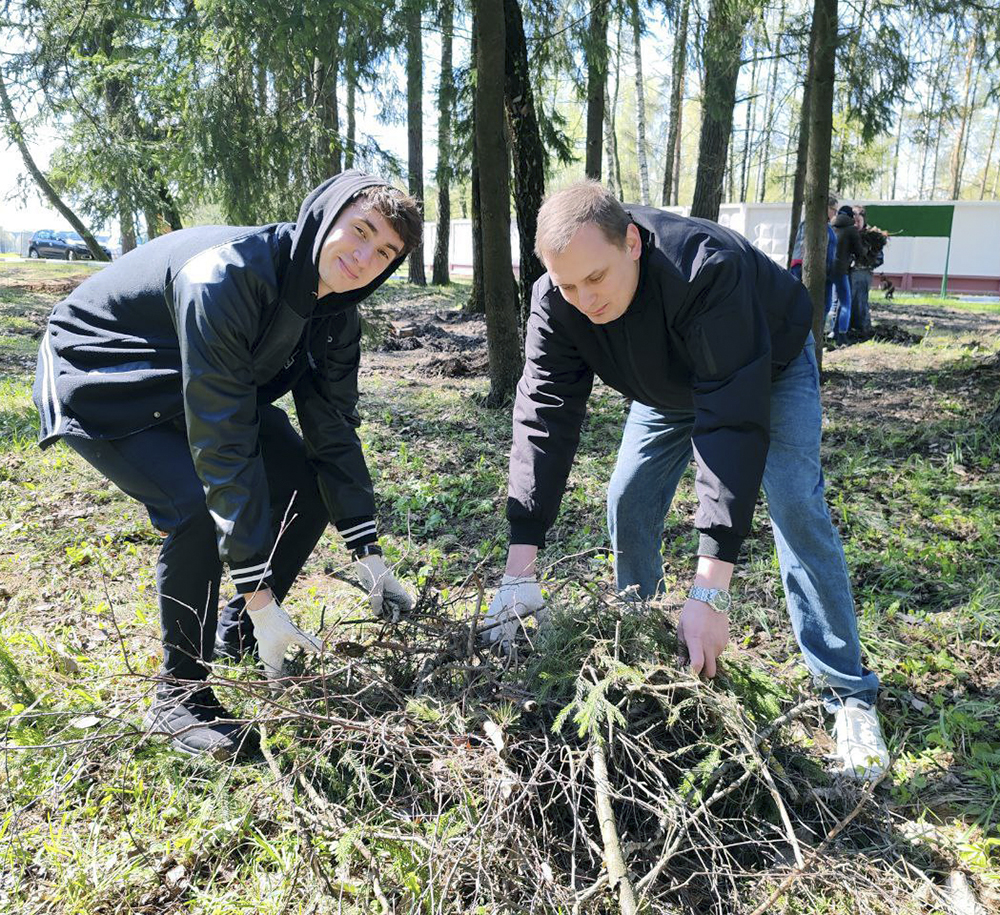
(842, 286)
(656, 449)
(861, 283)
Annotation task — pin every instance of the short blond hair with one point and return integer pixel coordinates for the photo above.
(567, 210)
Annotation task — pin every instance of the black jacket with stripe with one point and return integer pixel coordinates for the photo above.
(712, 322)
(206, 323)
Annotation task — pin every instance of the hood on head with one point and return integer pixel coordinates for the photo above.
(843, 219)
(316, 217)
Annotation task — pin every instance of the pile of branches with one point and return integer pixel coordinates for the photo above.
(585, 771)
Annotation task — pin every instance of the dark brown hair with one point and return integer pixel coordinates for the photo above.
(399, 209)
(582, 202)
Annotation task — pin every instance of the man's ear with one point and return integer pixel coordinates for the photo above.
(633, 241)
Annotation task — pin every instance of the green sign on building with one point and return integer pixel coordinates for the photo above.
(921, 221)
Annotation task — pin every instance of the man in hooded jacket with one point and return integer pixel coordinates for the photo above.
(162, 370)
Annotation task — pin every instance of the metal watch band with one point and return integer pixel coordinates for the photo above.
(717, 598)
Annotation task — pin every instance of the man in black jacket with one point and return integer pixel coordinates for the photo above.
(162, 370)
(848, 250)
(711, 340)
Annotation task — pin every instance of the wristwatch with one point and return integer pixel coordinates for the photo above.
(366, 549)
(716, 598)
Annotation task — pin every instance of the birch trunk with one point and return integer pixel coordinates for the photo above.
(640, 106)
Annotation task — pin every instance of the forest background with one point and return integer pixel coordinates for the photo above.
(408, 770)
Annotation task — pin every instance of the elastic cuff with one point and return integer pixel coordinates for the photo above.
(358, 531)
(252, 574)
(723, 544)
(529, 532)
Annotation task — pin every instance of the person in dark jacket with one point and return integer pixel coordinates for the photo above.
(711, 341)
(795, 265)
(162, 371)
(872, 245)
(848, 248)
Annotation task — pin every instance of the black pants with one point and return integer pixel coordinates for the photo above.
(155, 467)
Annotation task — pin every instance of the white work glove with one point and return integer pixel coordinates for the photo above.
(516, 598)
(388, 598)
(275, 632)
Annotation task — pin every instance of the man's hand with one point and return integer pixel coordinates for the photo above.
(275, 633)
(517, 597)
(388, 598)
(705, 632)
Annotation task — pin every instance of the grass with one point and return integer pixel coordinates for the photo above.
(99, 819)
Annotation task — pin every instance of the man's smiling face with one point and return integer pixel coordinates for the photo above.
(596, 276)
(358, 248)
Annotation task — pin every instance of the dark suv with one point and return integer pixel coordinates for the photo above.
(67, 245)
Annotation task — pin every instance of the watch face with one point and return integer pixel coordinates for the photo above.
(722, 600)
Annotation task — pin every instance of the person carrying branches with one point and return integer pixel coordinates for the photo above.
(162, 370)
(712, 342)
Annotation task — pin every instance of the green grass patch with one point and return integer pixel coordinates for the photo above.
(96, 819)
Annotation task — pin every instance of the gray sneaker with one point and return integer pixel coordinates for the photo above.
(197, 724)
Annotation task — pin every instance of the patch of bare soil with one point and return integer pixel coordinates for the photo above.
(439, 344)
(918, 318)
(58, 287)
(456, 366)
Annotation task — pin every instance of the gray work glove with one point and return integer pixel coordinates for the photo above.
(388, 598)
(516, 598)
(275, 633)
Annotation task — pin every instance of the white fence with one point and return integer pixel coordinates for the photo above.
(913, 263)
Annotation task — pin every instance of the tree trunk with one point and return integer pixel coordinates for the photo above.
(937, 153)
(610, 151)
(899, 129)
(16, 134)
(168, 207)
(748, 134)
(798, 185)
(477, 297)
(614, 181)
(528, 152)
(415, 126)
(126, 227)
(723, 45)
(502, 338)
(640, 106)
(929, 115)
(677, 102)
(351, 78)
(772, 92)
(989, 155)
(958, 154)
(326, 100)
(446, 102)
(817, 187)
(597, 79)
(899, 140)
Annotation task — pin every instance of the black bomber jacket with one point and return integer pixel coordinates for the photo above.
(712, 322)
(206, 323)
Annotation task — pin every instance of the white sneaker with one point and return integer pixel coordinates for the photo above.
(861, 747)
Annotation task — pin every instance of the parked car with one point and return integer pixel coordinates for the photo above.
(66, 245)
